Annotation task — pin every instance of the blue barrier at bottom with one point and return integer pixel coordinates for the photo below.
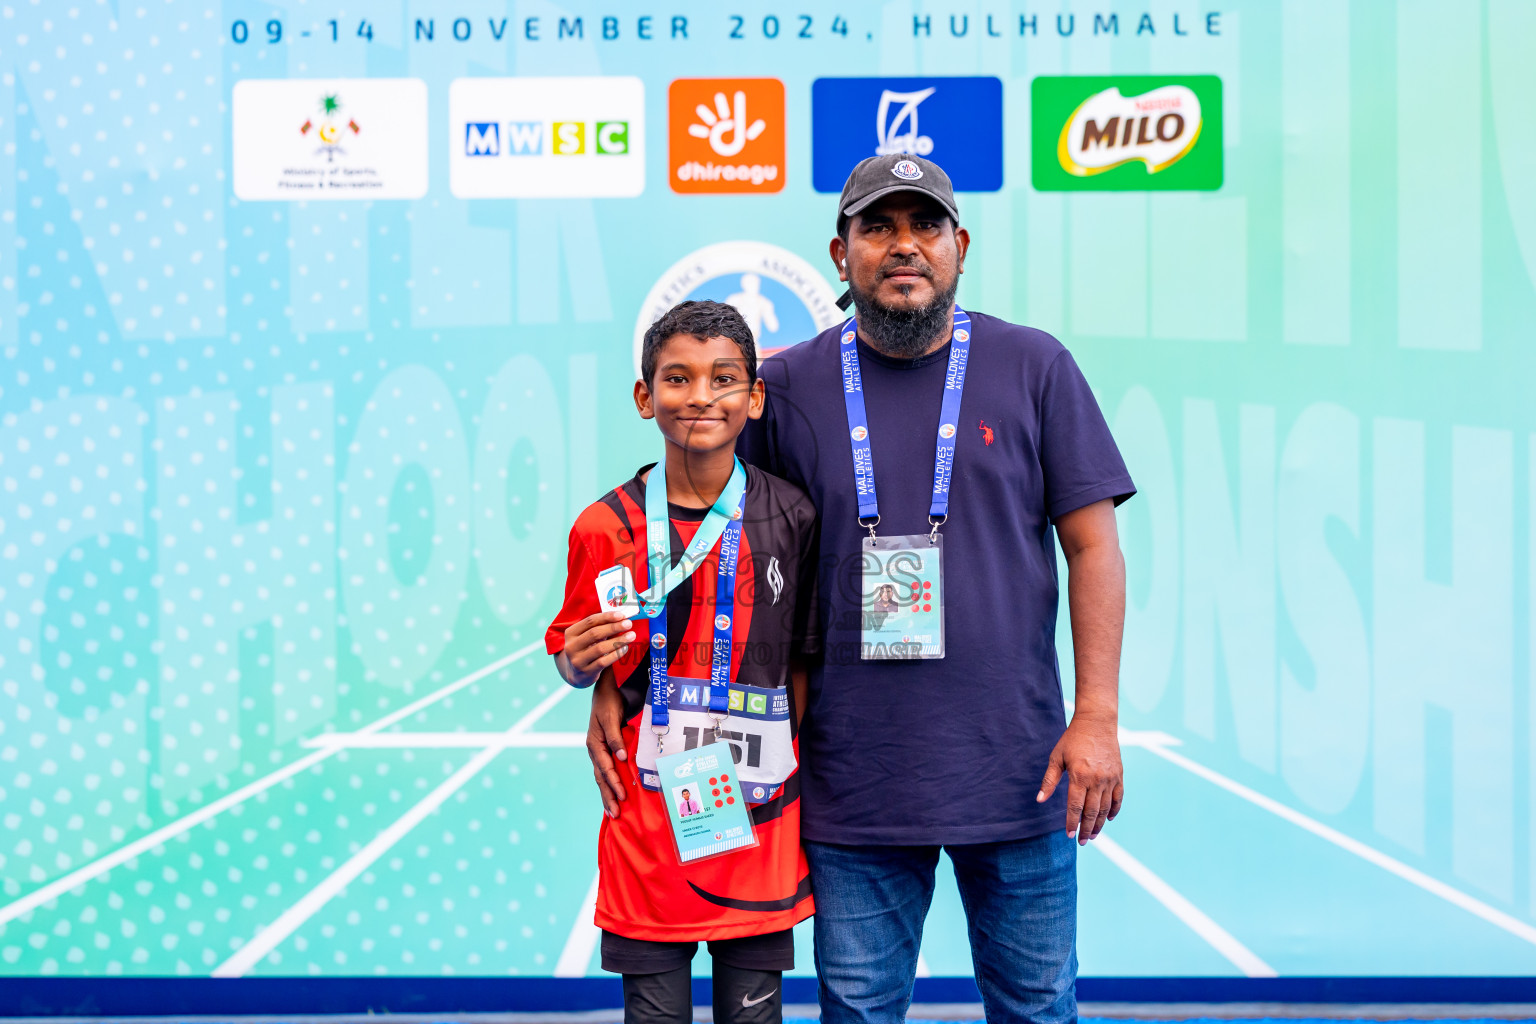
(116, 997)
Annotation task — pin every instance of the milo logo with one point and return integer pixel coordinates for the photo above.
(1158, 128)
(1126, 133)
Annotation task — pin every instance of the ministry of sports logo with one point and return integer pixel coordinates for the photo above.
(781, 296)
(330, 131)
(331, 138)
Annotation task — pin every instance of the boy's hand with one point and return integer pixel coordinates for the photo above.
(595, 642)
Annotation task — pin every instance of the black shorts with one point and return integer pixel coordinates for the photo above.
(772, 952)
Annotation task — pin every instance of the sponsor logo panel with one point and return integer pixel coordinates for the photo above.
(538, 138)
(726, 135)
(955, 122)
(1126, 133)
(324, 139)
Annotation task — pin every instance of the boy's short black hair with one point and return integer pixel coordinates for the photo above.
(701, 319)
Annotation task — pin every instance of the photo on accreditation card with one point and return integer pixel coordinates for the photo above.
(900, 606)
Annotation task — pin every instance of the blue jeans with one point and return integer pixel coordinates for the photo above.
(1020, 907)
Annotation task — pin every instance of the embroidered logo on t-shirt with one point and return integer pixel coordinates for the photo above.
(775, 578)
(986, 432)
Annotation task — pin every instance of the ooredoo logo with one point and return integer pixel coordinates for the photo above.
(726, 135)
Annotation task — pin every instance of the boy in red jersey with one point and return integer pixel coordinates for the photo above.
(700, 385)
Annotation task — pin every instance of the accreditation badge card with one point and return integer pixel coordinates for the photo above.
(704, 803)
(756, 733)
(902, 600)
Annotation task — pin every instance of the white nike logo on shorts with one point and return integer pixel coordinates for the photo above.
(753, 1002)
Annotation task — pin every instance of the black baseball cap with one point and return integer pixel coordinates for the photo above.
(879, 176)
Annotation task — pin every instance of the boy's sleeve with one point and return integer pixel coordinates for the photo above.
(580, 594)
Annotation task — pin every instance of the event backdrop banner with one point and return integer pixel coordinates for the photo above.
(319, 327)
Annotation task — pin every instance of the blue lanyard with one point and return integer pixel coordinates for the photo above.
(727, 526)
(949, 419)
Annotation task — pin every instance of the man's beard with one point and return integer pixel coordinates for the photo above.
(904, 333)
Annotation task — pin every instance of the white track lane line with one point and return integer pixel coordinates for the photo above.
(582, 940)
(290, 920)
(1197, 920)
(1434, 886)
(446, 740)
(80, 876)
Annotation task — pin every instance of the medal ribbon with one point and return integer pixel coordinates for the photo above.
(949, 419)
(723, 523)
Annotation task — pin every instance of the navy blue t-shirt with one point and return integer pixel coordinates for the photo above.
(947, 750)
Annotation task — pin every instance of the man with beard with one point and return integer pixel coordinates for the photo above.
(946, 452)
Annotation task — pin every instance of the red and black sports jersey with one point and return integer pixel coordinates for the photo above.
(644, 893)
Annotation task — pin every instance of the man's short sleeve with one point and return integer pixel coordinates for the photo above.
(1078, 456)
(755, 445)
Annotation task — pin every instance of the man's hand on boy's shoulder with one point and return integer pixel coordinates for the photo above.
(593, 644)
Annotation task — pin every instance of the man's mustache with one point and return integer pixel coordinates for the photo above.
(887, 269)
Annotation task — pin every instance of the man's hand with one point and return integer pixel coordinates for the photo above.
(596, 642)
(605, 743)
(1088, 753)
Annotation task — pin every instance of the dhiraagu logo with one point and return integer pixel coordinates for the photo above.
(1126, 133)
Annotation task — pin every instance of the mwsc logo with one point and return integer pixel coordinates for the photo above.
(527, 138)
(1127, 133)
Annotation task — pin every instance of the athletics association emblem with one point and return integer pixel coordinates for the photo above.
(658, 640)
(783, 298)
(946, 430)
(858, 433)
